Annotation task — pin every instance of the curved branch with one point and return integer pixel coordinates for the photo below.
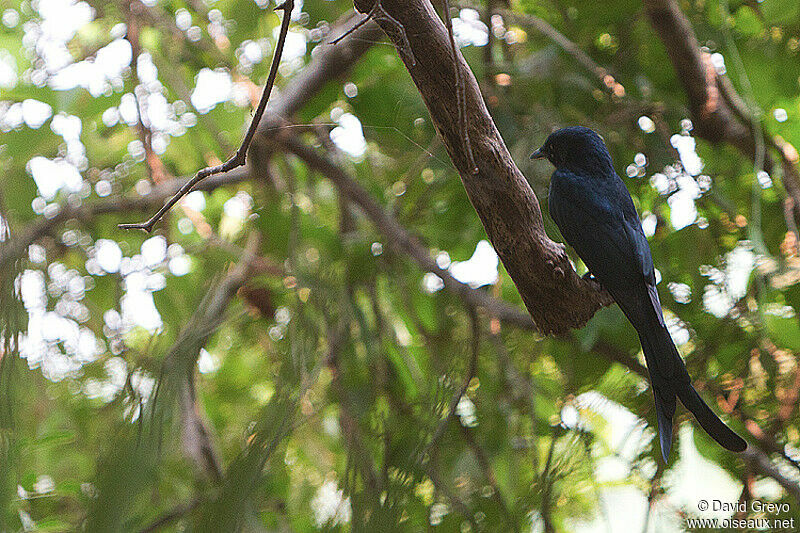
(328, 62)
(761, 463)
(712, 117)
(556, 297)
(239, 158)
(332, 62)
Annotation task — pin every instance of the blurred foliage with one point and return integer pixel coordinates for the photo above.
(322, 388)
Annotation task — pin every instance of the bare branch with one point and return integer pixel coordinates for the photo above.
(367, 18)
(196, 437)
(390, 25)
(458, 394)
(240, 157)
(176, 513)
(718, 112)
(761, 463)
(556, 297)
(488, 473)
(327, 63)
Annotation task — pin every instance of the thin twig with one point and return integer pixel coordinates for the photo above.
(548, 485)
(655, 483)
(175, 513)
(463, 117)
(379, 13)
(457, 502)
(241, 154)
(761, 463)
(488, 473)
(369, 16)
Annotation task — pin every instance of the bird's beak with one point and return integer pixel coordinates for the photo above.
(538, 154)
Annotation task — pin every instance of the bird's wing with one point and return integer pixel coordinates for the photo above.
(598, 219)
(642, 249)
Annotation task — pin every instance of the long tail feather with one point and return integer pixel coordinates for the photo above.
(669, 379)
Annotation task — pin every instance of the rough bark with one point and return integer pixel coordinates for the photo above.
(556, 297)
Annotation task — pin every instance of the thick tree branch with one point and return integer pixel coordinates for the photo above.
(556, 297)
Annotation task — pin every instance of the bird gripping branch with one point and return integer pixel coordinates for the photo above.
(595, 213)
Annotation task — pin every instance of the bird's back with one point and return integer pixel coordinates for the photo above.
(597, 218)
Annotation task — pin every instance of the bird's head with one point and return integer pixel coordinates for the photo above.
(576, 148)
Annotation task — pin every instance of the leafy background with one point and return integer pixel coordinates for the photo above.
(323, 384)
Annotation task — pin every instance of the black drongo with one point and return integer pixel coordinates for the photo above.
(596, 216)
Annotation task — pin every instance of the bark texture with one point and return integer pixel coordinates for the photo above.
(556, 297)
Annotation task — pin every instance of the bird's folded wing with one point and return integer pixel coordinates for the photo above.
(603, 227)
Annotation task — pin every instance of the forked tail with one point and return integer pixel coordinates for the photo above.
(669, 380)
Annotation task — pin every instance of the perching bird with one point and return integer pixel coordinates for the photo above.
(596, 216)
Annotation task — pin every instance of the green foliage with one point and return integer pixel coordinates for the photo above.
(324, 383)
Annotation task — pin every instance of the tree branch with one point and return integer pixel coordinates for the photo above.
(327, 63)
(240, 156)
(761, 463)
(458, 74)
(712, 117)
(176, 513)
(27, 235)
(332, 62)
(182, 358)
(754, 456)
(556, 297)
